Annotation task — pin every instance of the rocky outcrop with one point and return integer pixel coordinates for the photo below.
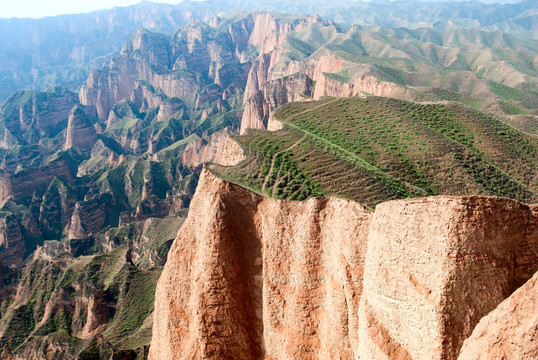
(219, 148)
(251, 277)
(26, 182)
(360, 86)
(80, 132)
(57, 207)
(509, 331)
(5, 188)
(259, 108)
(435, 266)
(12, 244)
(99, 311)
(169, 107)
(88, 216)
(101, 157)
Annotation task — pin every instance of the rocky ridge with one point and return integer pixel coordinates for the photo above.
(334, 61)
(249, 276)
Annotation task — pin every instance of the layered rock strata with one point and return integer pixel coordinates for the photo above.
(258, 278)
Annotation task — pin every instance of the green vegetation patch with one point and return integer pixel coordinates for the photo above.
(527, 98)
(342, 76)
(376, 149)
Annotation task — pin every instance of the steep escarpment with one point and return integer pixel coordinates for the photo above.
(435, 266)
(509, 331)
(252, 277)
(249, 276)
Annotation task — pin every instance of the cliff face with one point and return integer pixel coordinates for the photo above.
(509, 331)
(251, 277)
(80, 131)
(219, 148)
(435, 266)
(259, 108)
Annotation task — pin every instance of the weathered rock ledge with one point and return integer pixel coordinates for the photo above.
(255, 278)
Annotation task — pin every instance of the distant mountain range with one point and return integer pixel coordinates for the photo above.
(62, 50)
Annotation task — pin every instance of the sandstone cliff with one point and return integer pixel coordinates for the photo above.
(509, 331)
(218, 148)
(250, 277)
(257, 278)
(260, 107)
(80, 132)
(435, 266)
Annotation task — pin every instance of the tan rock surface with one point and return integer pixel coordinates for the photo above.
(218, 148)
(435, 266)
(253, 278)
(508, 332)
(260, 107)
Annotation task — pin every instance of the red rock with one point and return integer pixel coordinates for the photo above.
(508, 332)
(255, 278)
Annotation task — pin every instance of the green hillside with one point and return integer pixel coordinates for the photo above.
(375, 149)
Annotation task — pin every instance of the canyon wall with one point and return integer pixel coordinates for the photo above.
(250, 277)
(258, 278)
(508, 332)
(435, 266)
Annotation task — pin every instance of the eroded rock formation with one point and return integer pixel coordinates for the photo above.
(218, 148)
(435, 266)
(258, 278)
(250, 277)
(80, 131)
(508, 332)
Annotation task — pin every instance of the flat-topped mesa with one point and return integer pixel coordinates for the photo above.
(258, 278)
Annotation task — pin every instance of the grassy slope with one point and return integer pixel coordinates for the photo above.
(375, 149)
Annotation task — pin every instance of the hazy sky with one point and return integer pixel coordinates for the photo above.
(42, 8)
